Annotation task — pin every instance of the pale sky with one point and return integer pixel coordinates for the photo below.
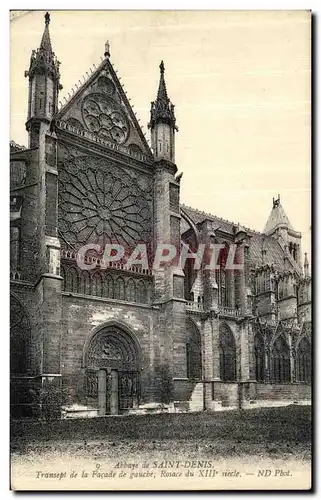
(240, 82)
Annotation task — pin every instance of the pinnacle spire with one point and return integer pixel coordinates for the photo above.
(162, 92)
(44, 59)
(45, 41)
(162, 110)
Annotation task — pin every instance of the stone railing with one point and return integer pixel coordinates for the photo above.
(71, 255)
(194, 306)
(100, 140)
(230, 311)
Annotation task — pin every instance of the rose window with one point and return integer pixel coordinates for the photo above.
(101, 203)
(102, 117)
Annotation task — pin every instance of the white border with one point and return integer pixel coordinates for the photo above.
(4, 135)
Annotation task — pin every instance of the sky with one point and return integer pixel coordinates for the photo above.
(240, 82)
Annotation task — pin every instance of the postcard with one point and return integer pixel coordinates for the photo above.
(160, 283)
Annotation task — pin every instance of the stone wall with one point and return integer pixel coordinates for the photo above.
(81, 315)
(283, 391)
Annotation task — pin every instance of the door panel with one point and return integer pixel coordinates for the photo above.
(102, 386)
(114, 400)
(128, 390)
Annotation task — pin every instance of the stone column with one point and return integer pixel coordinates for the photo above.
(292, 359)
(245, 355)
(50, 280)
(267, 364)
(166, 226)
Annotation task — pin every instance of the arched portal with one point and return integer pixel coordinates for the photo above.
(112, 364)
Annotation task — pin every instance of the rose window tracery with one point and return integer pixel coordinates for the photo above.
(101, 203)
(103, 117)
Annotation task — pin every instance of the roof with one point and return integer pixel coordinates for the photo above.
(277, 217)
(198, 216)
(258, 241)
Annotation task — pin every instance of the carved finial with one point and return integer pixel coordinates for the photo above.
(306, 265)
(162, 67)
(107, 49)
(276, 202)
(47, 19)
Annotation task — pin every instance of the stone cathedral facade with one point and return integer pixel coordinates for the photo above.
(121, 339)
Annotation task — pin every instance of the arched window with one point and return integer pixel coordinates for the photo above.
(303, 361)
(85, 283)
(109, 287)
(281, 361)
(19, 337)
(131, 291)
(119, 292)
(227, 355)
(141, 292)
(223, 278)
(97, 285)
(72, 280)
(193, 353)
(149, 293)
(259, 358)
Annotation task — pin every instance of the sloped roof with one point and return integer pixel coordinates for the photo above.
(274, 252)
(198, 216)
(277, 218)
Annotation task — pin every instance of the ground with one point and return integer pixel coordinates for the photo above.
(281, 436)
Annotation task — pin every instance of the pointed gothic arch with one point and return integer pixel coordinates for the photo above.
(20, 337)
(112, 360)
(280, 360)
(259, 355)
(97, 284)
(193, 351)
(108, 286)
(131, 290)
(141, 292)
(72, 280)
(119, 290)
(227, 354)
(303, 361)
